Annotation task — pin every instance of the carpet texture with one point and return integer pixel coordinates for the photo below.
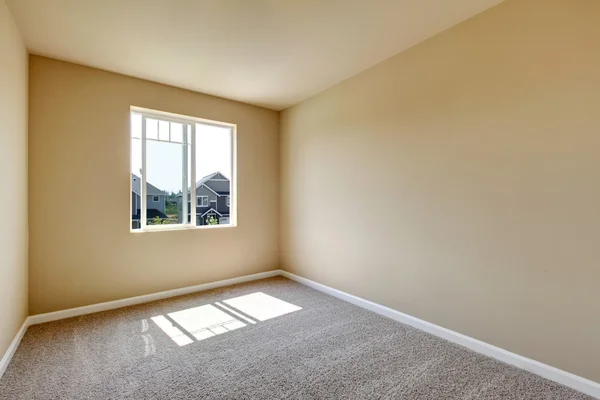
(282, 340)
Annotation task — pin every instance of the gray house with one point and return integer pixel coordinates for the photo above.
(155, 200)
(212, 199)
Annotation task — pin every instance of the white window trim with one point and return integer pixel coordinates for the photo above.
(188, 122)
(157, 199)
(202, 205)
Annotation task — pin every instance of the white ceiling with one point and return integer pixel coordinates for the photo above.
(272, 53)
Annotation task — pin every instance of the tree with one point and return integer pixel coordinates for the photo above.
(171, 208)
(212, 220)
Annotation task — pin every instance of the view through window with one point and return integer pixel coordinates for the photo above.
(168, 153)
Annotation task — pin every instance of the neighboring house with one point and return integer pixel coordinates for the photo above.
(212, 199)
(155, 200)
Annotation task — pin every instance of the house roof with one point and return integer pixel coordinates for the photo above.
(136, 184)
(209, 210)
(220, 186)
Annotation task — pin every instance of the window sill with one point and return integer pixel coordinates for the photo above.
(181, 228)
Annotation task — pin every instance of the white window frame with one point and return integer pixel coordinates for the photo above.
(202, 203)
(188, 123)
(157, 199)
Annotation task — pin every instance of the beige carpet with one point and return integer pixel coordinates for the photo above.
(269, 339)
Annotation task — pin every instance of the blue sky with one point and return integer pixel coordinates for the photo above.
(164, 159)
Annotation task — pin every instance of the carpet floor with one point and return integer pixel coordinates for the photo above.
(268, 339)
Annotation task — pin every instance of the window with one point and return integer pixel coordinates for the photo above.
(184, 158)
(202, 201)
(228, 201)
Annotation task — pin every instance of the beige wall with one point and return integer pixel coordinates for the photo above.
(459, 182)
(13, 179)
(81, 249)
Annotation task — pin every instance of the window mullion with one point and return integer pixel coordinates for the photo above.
(143, 199)
(233, 183)
(193, 175)
(184, 202)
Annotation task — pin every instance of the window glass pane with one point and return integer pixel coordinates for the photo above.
(176, 132)
(163, 130)
(164, 181)
(213, 172)
(136, 125)
(136, 179)
(151, 128)
(187, 134)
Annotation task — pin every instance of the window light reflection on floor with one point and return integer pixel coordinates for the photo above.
(233, 312)
(172, 331)
(261, 306)
(206, 321)
(149, 348)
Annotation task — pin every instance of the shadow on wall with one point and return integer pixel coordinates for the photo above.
(198, 323)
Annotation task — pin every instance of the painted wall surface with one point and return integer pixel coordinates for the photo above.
(81, 248)
(459, 182)
(13, 178)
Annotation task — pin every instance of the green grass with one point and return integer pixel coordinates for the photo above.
(171, 208)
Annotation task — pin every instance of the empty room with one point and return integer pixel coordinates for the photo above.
(300, 199)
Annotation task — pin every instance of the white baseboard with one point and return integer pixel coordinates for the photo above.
(110, 305)
(554, 374)
(13, 347)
